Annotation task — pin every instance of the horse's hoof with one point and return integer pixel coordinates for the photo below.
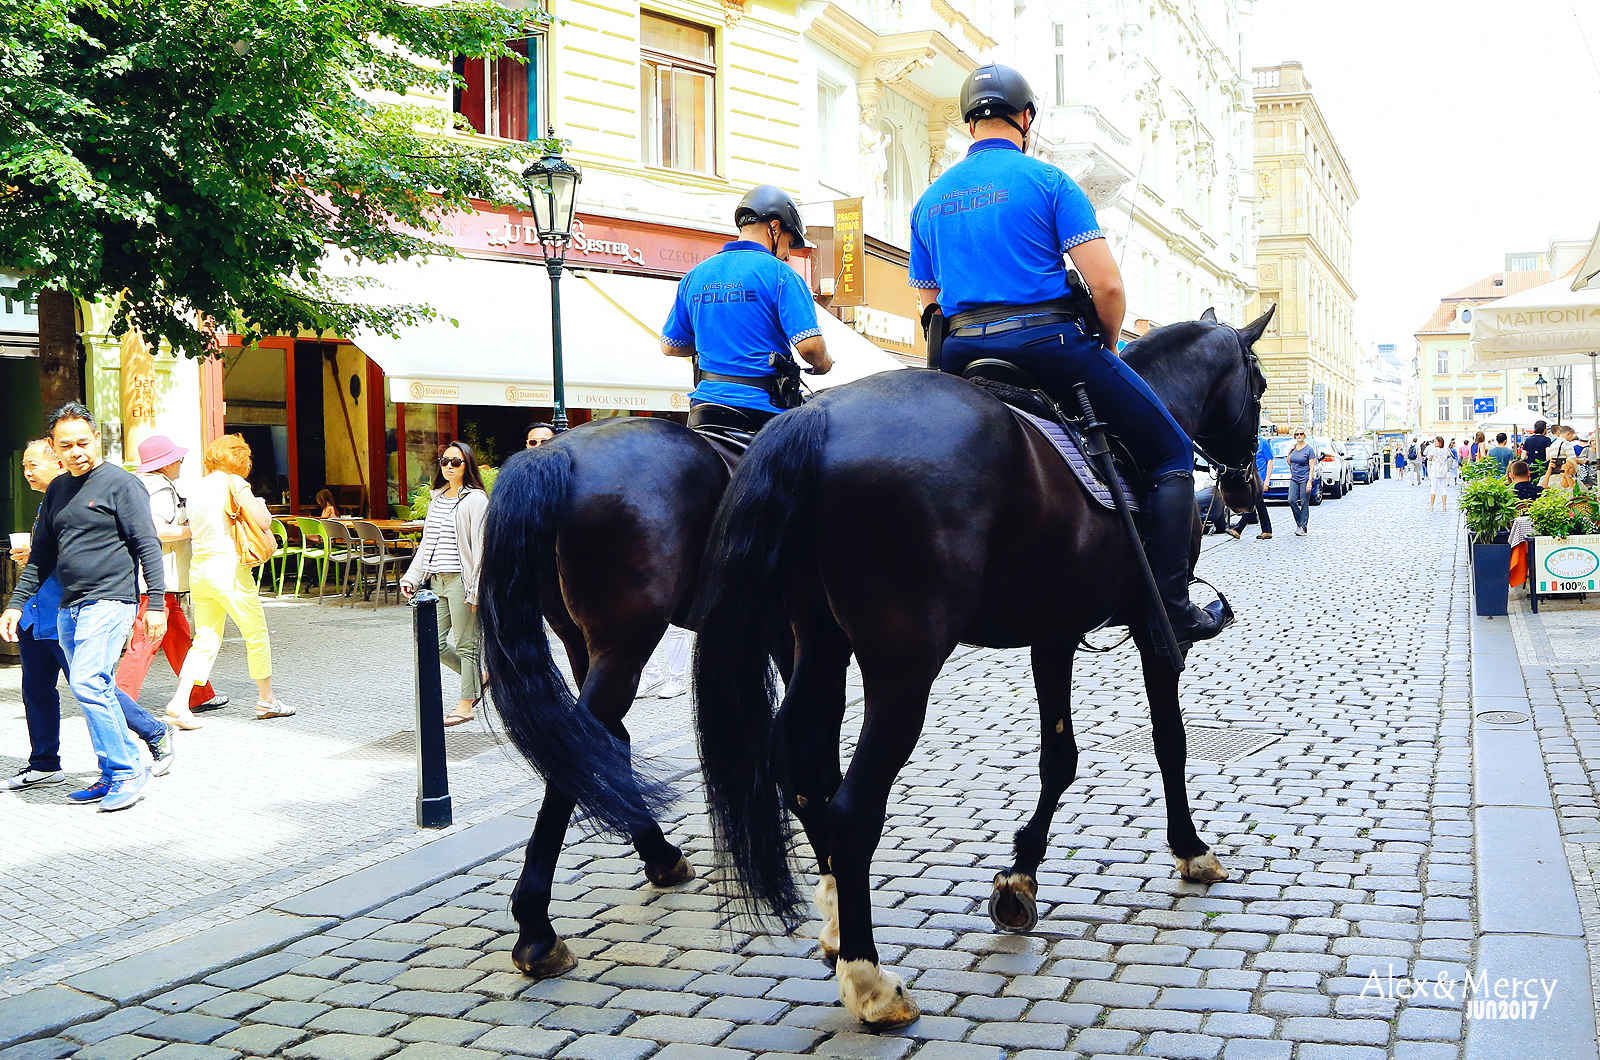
(671, 876)
(1012, 906)
(876, 997)
(1203, 869)
(827, 897)
(557, 960)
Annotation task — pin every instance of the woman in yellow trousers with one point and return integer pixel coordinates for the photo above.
(221, 586)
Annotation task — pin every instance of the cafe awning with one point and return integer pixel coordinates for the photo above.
(491, 342)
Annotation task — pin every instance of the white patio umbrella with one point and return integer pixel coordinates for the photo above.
(1539, 328)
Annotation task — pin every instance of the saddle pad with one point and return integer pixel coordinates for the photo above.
(1067, 445)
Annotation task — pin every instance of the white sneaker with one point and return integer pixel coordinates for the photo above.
(673, 686)
(31, 778)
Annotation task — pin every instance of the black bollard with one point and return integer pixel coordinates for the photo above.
(433, 782)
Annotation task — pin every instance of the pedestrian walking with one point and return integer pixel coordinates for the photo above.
(1535, 445)
(1453, 456)
(447, 561)
(1440, 457)
(1502, 453)
(1264, 472)
(220, 582)
(43, 662)
(94, 532)
(1416, 464)
(160, 460)
(1301, 459)
(669, 676)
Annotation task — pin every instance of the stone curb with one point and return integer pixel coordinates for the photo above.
(1528, 921)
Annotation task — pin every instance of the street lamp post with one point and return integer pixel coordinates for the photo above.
(553, 194)
(1543, 387)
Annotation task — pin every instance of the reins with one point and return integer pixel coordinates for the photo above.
(1252, 401)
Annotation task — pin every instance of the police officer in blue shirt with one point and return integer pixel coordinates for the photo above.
(740, 310)
(987, 245)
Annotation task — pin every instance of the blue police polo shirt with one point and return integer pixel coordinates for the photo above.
(993, 228)
(1263, 456)
(735, 308)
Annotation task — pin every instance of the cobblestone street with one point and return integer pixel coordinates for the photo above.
(1350, 839)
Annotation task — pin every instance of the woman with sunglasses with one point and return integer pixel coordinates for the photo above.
(447, 562)
(1302, 461)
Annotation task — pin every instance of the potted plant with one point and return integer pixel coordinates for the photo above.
(1489, 505)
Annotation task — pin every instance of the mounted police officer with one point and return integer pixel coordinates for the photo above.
(987, 245)
(740, 310)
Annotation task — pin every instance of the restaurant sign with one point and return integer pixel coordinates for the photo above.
(534, 393)
(598, 242)
(1566, 565)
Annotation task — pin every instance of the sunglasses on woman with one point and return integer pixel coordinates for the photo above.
(451, 461)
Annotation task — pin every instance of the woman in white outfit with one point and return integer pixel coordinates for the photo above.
(447, 562)
(1440, 462)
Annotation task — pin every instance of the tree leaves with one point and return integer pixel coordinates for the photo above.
(204, 157)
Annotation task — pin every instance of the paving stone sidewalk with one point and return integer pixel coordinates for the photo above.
(1350, 839)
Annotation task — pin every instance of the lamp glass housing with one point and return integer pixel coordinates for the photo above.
(553, 194)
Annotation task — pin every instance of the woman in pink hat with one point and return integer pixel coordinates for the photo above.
(160, 460)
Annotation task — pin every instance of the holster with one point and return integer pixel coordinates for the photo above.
(935, 327)
(782, 385)
(1082, 302)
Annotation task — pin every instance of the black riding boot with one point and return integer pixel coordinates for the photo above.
(1169, 516)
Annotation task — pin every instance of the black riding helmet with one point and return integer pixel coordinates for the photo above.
(770, 203)
(995, 91)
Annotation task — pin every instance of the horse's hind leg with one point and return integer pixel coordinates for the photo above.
(808, 725)
(539, 951)
(1196, 862)
(1012, 906)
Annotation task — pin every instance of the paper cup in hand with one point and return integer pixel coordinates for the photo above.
(21, 540)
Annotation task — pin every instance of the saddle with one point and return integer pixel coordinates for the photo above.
(1035, 409)
(729, 430)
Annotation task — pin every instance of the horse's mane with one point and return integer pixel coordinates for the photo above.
(1163, 341)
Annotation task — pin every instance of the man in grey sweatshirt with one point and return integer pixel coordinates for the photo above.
(92, 530)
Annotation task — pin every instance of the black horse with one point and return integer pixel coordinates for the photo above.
(599, 533)
(895, 518)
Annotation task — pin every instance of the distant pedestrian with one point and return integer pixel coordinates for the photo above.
(1561, 448)
(1264, 472)
(1415, 460)
(1453, 455)
(1301, 459)
(94, 532)
(43, 662)
(668, 678)
(160, 460)
(538, 434)
(1521, 481)
(1400, 463)
(447, 561)
(1502, 453)
(1440, 459)
(1534, 445)
(1480, 447)
(222, 585)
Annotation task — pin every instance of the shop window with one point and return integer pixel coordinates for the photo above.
(1443, 410)
(505, 97)
(677, 93)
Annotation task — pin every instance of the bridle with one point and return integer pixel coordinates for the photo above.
(1250, 406)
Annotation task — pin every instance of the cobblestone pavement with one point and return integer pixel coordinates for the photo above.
(253, 811)
(1349, 839)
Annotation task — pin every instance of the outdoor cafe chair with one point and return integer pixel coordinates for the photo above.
(375, 556)
(313, 547)
(286, 552)
(342, 550)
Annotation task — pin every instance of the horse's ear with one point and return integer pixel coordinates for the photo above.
(1210, 315)
(1257, 327)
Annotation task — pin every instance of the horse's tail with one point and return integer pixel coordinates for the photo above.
(755, 540)
(561, 739)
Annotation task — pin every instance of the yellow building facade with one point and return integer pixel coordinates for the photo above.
(1448, 390)
(1303, 259)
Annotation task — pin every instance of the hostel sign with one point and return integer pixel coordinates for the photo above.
(850, 285)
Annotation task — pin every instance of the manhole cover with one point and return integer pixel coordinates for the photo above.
(458, 747)
(1204, 745)
(1503, 717)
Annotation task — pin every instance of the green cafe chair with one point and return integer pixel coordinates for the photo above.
(286, 552)
(313, 547)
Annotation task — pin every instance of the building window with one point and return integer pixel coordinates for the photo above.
(678, 93)
(1441, 362)
(505, 97)
(1061, 64)
(1443, 410)
(1466, 408)
(828, 95)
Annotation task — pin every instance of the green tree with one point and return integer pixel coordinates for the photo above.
(198, 159)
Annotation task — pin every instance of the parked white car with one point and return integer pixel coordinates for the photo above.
(1333, 467)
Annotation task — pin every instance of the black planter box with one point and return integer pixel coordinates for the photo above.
(1491, 572)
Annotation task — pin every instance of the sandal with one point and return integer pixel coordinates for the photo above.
(185, 721)
(275, 709)
(455, 717)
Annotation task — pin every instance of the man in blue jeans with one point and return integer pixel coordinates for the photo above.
(94, 521)
(1263, 469)
(43, 662)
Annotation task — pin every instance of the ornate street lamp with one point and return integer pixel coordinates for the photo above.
(1543, 387)
(553, 194)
